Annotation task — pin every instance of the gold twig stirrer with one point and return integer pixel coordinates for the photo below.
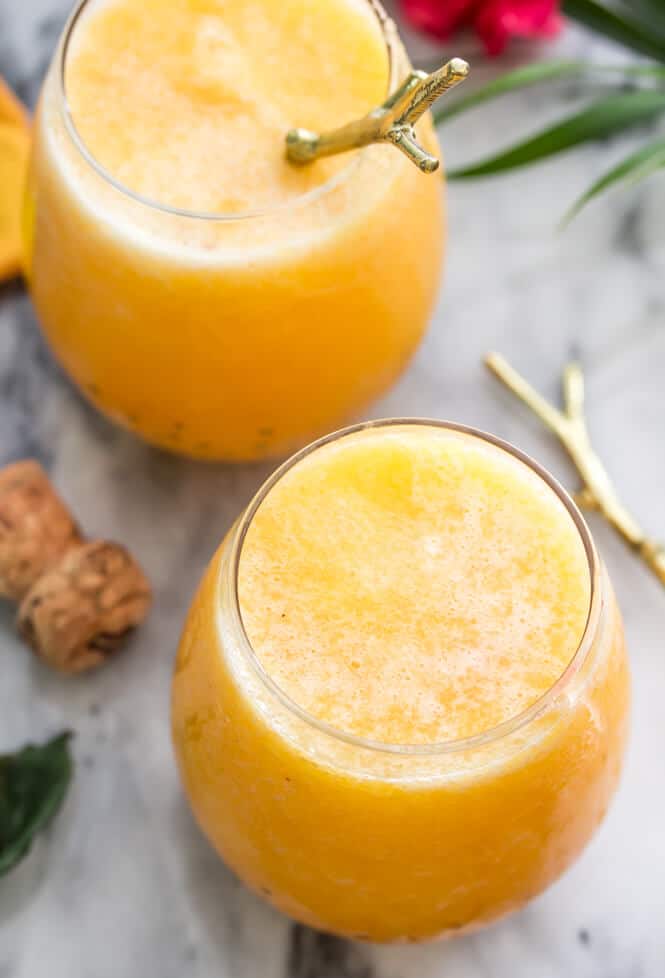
(391, 122)
(570, 427)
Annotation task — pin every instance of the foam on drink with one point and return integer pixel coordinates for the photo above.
(412, 584)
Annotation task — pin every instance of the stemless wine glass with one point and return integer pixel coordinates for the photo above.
(393, 841)
(230, 336)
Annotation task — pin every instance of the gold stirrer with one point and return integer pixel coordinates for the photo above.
(391, 122)
(570, 427)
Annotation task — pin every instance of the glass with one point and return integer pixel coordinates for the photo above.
(393, 841)
(230, 336)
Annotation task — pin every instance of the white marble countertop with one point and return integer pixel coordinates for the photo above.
(123, 885)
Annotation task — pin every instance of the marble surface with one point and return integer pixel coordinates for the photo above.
(123, 885)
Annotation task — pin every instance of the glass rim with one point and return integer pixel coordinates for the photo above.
(391, 42)
(453, 745)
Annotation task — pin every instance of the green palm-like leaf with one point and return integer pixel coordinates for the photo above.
(626, 29)
(512, 81)
(603, 118)
(651, 12)
(545, 71)
(633, 168)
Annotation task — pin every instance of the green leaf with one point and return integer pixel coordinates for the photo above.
(33, 784)
(543, 71)
(633, 168)
(628, 31)
(604, 118)
(520, 78)
(650, 12)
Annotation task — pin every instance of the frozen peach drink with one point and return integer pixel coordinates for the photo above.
(199, 288)
(400, 701)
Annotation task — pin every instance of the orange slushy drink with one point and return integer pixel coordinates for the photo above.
(400, 701)
(199, 288)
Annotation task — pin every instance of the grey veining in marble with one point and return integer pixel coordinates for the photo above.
(123, 885)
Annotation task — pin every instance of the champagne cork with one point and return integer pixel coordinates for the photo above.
(78, 600)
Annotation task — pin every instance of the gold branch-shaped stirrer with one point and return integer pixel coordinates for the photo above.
(391, 122)
(570, 427)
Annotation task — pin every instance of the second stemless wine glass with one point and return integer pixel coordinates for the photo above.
(230, 336)
(391, 841)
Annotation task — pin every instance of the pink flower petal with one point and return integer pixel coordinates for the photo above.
(440, 17)
(496, 21)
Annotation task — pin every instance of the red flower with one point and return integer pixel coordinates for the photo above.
(496, 21)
